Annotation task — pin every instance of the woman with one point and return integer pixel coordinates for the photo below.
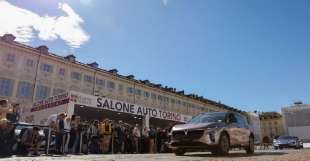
(73, 134)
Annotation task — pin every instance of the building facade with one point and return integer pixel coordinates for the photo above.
(297, 120)
(29, 74)
(271, 125)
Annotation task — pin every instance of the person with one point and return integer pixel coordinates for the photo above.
(60, 129)
(158, 139)
(7, 133)
(93, 133)
(145, 140)
(5, 108)
(73, 133)
(16, 112)
(136, 137)
(75, 126)
(152, 136)
(120, 136)
(29, 142)
(106, 131)
(67, 134)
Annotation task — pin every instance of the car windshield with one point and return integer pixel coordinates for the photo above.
(208, 117)
(285, 137)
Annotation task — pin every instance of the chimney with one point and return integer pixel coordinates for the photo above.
(93, 64)
(113, 71)
(158, 85)
(8, 37)
(130, 76)
(43, 49)
(181, 92)
(70, 58)
(145, 81)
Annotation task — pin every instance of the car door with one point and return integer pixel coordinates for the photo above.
(232, 128)
(243, 130)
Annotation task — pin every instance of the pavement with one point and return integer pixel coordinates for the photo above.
(259, 155)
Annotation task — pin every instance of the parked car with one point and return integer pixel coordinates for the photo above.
(215, 131)
(287, 142)
(20, 128)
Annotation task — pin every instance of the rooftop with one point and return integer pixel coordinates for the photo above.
(10, 39)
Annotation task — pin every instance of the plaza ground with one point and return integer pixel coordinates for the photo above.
(260, 155)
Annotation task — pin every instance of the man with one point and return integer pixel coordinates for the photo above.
(136, 132)
(29, 142)
(60, 130)
(120, 136)
(5, 108)
(6, 138)
(106, 130)
(94, 137)
(145, 140)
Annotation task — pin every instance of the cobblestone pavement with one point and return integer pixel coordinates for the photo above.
(284, 155)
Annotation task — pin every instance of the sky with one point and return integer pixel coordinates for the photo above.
(248, 54)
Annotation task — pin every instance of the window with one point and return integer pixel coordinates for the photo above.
(6, 86)
(166, 99)
(47, 68)
(10, 58)
(110, 85)
(153, 96)
(100, 82)
(25, 90)
(130, 90)
(29, 63)
(146, 94)
(61, 71)
(57, 91)
(138, 92)
(172, 101)
(160, 98)
(178, 102)
(88, 78)
(42, 92)
(76, 75)
(120, 88)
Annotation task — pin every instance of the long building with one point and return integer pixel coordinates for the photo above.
(29, 74)
(297, 120)
(271, 125)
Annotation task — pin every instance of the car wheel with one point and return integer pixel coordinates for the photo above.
(179, 152)
(250, 148)
(276, 148)
(223, 146)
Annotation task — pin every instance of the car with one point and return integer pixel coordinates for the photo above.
(20, 128)
(287, 142)
(216, 132)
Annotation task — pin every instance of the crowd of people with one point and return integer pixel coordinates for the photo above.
(71, 135)
(106, 136)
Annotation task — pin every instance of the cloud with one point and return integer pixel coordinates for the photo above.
(27, 25)
(86, 2)
(165, 2)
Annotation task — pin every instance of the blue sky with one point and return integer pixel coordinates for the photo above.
(252, 55)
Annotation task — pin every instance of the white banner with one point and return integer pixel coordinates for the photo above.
(120, 106)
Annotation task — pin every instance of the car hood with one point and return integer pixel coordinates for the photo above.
(193, 126)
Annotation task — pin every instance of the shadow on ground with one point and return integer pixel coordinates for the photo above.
(236, 155)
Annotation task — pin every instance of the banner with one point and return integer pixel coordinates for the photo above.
(124, 107)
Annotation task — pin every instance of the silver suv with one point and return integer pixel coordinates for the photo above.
(215, 131)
